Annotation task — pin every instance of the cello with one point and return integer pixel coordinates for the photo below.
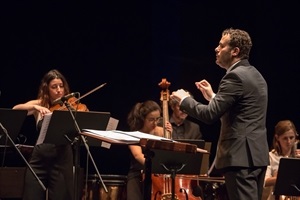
(164, 98)
(162, 183)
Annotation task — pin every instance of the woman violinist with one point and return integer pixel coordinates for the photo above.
(53, 164)
(284, 145)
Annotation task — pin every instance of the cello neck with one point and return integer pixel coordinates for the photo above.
(164, 84)
(165, 110)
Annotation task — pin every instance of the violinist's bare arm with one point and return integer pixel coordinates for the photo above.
(33, 107)
(271, 180)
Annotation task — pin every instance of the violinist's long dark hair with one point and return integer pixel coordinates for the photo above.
(43, 93)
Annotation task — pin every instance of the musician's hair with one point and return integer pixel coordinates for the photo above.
(280, 128)
(43, 92)
(240, 39)
(138, 113)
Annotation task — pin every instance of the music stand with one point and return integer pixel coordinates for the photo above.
(162, 161)
(61, 129)
(185, 163)
(288, 177)
(12, 120)
(198, 142)
(65, 127)
(192, 161)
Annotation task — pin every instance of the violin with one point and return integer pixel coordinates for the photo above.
(74, 104)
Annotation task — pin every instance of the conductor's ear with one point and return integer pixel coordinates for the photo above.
(236, 51)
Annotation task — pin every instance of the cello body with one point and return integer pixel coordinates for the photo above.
(184, 188)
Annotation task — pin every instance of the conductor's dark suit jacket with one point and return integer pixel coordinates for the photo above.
(241, 104)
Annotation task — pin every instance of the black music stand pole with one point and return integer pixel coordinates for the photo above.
(148, 170)
(93, 161)
(27, 164)
(173, 171)
(76, 144)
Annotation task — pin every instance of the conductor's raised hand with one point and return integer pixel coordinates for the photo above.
(179, 95)
(206, 89)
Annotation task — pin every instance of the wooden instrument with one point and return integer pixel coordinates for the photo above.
(74, 104)
(163, 184)
(164, 98)
(168, 145)
(161, 187)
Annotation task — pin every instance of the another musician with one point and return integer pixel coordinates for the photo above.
(182, 127)
(285, 138)
(144, 118)
(52, 164)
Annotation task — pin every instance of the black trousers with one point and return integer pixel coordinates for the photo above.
(244, 183)
(54, 167)
(134, 186)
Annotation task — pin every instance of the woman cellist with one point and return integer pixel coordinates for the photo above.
(53, 164)
(143, 117)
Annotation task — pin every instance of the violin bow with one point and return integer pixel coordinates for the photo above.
(88, 93)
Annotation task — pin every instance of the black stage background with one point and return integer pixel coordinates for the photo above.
(132, 45)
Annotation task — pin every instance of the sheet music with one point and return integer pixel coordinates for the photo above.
(113, 135)
(141, 135)
(44, 128)
(112, 124)
(125, 136)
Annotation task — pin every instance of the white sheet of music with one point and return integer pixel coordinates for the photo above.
(112, 124)
(113, 135)
(141, 135)
(44, 128)
(126, 136)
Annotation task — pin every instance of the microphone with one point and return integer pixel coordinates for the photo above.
(62, 99)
